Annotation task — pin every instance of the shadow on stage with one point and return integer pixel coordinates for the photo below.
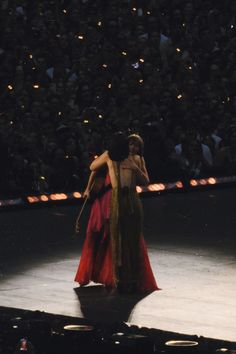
(100, 305)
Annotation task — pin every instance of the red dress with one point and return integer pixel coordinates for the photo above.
(96, 262)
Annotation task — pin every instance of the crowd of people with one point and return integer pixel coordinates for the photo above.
(74, 71)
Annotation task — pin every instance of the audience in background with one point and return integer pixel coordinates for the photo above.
(73, 71)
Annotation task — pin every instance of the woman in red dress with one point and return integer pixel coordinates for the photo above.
(114, 252)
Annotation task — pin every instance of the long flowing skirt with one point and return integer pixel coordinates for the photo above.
(110, 257)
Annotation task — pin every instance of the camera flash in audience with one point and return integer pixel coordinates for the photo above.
(124, 53)
(10, 87)
(109, 86)
(64, 10)
(99, 23)
(228, 99)
(67, 156)
(86, 121)
(100, 116)
(183, 24)
(232, 26)
(11, 122)
(179, 97)
(178, 50)
(31, 56)
(95, 156)
(59, 113)
(141, 81)
(148, 13)
(42, 177)
(141, 60)
(81, 37)
(104, 65)
(33, 68)
(134, 9)
(190, 67)
(36, 86)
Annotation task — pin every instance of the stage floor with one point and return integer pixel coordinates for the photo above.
(192, 256)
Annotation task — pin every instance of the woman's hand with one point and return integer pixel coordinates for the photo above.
(86, 193)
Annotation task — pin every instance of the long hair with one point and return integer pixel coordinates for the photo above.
(118, 148)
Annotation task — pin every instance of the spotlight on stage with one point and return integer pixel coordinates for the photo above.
(181, 347)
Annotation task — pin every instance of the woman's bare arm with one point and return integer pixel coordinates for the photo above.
(89, 187)
(99, 162)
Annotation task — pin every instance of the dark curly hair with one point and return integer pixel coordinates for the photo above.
(118, 147)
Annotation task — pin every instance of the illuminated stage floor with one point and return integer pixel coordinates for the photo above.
(192, 252)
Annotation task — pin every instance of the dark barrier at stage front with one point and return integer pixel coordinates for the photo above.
(206, 216)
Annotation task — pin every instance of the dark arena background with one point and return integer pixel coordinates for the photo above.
(72, 72)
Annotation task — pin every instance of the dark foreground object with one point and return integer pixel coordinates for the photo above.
(44, 333)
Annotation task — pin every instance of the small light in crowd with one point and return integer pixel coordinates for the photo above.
(134, 9)
(11, 122)
(81, 37)
(10, 87)
(99, 23)
(183, 25)
(42, 177)
(148, 13)
(193, 183)
(232, 26)
(95, 156)
(58, 35)
(86, 121)
(178, 50)
(31, 56)
(100, 116)
(33, 68)
(124, 53)
(77, 195)
(228, 99)
(190, 67)
(203, 182)
(36, 86)
(211, 180)
(64, 10)
(109, 86)
(67, 156)
(179, 97)
(141, 60)
(141, 81)
(104, 65)
(59, 113)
